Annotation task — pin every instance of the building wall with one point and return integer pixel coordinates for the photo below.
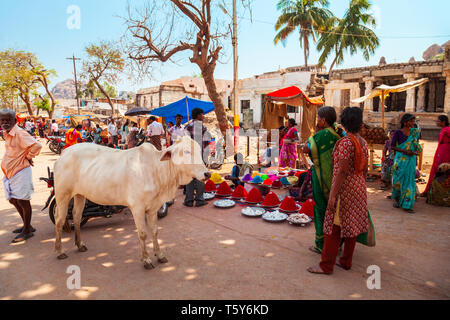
(169, 94)
(253, 88)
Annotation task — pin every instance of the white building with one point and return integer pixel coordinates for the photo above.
(252, 90)
(174, 90)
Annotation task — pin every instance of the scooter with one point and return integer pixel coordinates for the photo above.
(91, 209)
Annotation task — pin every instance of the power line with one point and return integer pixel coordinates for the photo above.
(357, 35)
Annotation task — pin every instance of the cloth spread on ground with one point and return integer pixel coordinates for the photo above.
(19, 186)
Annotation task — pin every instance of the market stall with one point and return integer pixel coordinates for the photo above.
(275, 113)
(184, 107)
(294, 96)
(268, 195)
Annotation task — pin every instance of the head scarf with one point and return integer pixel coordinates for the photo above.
(360, 159)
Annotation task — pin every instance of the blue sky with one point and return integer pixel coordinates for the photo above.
(405, 29)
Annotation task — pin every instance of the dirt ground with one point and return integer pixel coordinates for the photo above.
(220, 254)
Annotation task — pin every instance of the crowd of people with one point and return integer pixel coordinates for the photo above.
(336, 181)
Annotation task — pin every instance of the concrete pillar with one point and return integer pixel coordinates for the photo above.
(355, 93)
(369, 84)
(447, 91)
(447, 78)
(431, 95)
(410, 94)
(328, 94)
(421, 99)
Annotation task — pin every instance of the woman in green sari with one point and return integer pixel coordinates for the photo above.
(320, 147)
(405, 143)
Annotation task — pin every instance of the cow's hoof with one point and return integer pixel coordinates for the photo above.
(82, 248)
(62, 256)
(163, 260)
(148, 265)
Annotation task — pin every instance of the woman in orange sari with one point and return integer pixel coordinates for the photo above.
(346, 215)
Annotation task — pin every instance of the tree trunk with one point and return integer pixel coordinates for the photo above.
(26, 99)
(334, 61)
(106, 95)
(52, 98)
(332, 64)
(219, 109)
(304, 50)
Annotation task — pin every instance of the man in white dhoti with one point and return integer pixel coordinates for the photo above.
(21, 148)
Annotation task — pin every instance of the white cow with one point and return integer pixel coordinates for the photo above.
(141, 178)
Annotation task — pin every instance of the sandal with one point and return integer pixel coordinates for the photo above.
(409, 210)
(396, 205)
(22, 237)
(389, 197)
(19, 230)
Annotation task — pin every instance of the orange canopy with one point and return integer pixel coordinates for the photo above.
(293, 96)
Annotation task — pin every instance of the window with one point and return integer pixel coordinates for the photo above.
(245, 104)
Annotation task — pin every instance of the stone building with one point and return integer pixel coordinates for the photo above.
(174, 90)
(252, 90)
(426, 100)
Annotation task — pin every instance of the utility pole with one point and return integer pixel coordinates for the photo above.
(76, 83)
(235, 80)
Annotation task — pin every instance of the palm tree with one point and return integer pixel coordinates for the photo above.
(310, 16)
(351, 33)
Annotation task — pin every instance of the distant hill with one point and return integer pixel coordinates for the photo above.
(64, 89)
(433, 51)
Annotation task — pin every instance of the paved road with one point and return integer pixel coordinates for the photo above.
(220, 254)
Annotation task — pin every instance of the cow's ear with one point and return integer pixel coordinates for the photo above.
(167, 155)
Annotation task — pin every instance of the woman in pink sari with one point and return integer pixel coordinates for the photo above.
(288, 154)
(442, 154)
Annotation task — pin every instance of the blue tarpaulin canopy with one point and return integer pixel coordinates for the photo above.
(183, 107)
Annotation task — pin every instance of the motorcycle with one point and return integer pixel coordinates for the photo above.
(55, 144)
(91, 209)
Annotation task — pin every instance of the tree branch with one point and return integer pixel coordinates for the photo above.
(187, 12)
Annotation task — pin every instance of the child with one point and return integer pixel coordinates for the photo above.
(387, 161)
(240, 169)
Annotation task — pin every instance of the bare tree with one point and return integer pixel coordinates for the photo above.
(104, 62)
(157, 34)
(42, 76)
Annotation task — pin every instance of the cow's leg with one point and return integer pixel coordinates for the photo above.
(60, 219)
(78, 207)
(152, 219)
(139, 219)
